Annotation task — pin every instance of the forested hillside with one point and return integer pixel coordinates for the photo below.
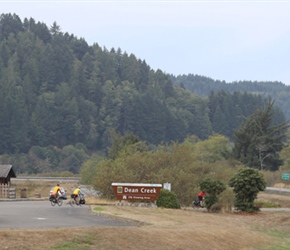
(61, 98)
(203, 86)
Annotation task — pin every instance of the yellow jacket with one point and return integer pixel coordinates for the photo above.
(56, 189)
(77, 191)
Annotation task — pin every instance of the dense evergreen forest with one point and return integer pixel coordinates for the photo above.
(61, 99)
(203, 86)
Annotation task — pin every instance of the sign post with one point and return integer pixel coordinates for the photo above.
(285, 177)
(167, 186)
(136, 191)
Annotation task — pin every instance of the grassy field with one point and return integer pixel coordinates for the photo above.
(158, 228)
(34, 187)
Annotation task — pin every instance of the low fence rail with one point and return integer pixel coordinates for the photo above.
(7, 192)
(68, 179)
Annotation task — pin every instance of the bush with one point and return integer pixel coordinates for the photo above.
(167, 199)
(213, 189)
(266, 204)
(227, 200)
(215, 208)
(247, 183)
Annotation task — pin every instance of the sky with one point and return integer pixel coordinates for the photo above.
(244, 40)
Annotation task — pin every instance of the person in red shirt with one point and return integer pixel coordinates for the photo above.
(201, 197)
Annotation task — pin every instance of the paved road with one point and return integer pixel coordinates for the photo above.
(282, 191)
(278, 209)
(40, 214)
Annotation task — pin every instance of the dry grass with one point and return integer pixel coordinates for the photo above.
(41, 187)
(164, 229)
(281, 200)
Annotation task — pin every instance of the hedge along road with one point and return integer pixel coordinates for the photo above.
(40, 214)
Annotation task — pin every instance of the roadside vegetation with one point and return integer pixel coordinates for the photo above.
(195, 164)
(216, 164)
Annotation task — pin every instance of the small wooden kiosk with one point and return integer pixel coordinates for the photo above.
(6, 173)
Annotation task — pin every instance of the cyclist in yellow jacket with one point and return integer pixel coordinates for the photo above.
(56, 191)
(76, 194)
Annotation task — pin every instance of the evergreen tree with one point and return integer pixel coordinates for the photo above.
(4, 53)
(9, 24)
(219, 122)
(258, 142)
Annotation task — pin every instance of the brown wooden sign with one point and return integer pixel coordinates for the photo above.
(136, 191)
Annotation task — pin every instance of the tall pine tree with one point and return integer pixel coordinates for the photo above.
(258, 142)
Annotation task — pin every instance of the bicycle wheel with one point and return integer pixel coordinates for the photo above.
(72, 202)
(59, 202)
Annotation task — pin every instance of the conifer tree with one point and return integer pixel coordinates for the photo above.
(258, 142)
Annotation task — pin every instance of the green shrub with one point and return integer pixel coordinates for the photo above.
(213, 189)
(227, 200)
(167, 199)
(247, 183)
(266, 204)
